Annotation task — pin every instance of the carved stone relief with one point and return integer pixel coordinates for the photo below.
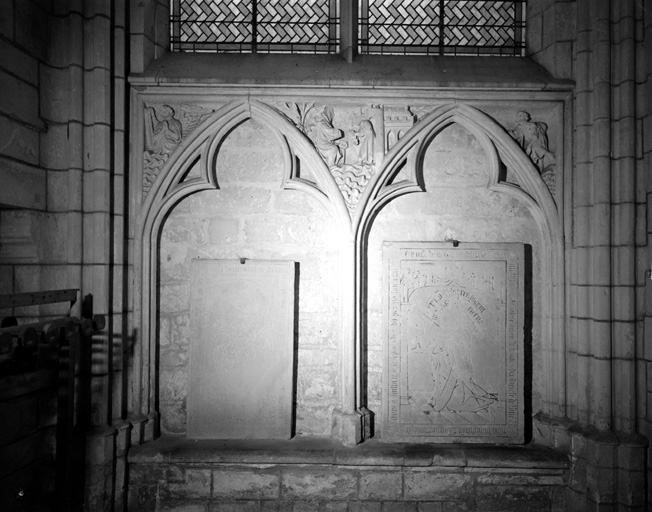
(299, 113)
(398, 120)
(347, 141)
(532, 136)
(165, 128)
(454, 357)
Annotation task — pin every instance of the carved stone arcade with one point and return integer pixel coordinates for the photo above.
(347, 158)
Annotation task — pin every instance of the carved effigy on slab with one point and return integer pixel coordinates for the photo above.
(453, 369)
(242, 350)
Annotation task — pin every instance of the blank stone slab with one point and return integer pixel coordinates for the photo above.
(241, 350)
(453, 367)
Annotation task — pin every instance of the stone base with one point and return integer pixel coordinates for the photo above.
(174, 473)
(607, 469)
(348, 427)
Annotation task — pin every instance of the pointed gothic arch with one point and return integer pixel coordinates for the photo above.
(202, 148)
(171, 186)
(500, 148)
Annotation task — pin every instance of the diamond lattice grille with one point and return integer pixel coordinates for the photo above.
(442, 27)
(292, 26)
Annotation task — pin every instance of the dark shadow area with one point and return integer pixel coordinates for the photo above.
(527, 343)
(295, 349)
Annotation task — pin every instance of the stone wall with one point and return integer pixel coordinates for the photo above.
(251, 217)
(322, 476)
(23, 52)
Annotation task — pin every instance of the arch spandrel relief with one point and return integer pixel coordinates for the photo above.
(349, 140)
(166, 126)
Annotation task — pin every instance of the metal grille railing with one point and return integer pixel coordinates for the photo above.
(255, 26)
(442, 27)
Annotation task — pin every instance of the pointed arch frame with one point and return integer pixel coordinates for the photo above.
(500, 148)
(171, 187)
(407, 154)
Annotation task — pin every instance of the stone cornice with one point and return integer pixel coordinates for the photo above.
(366, 72)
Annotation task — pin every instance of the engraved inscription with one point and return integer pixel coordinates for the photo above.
(241, 352)
(453, 369)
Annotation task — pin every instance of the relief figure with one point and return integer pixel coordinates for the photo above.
(363, 140)
(162, 132)
(328, 139)
(533, 138)
(454, 386)
(446, 374)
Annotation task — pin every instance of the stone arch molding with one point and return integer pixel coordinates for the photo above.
(502, 151)
(202, 148)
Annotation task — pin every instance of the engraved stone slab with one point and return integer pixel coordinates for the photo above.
(241, 350)
(453, 366)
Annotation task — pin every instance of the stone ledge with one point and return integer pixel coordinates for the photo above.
(325, 451)
(366, 71)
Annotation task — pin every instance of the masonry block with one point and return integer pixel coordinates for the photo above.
(196, 485)
(513, 498)
(430, 506)
(381, 485)
(22, 186)
(234, 506)
(428, 485)
(250, 484)
(31, 28)
(310, 483)
(183, 506)
(399, 506)
(601, 484)
(365, 506)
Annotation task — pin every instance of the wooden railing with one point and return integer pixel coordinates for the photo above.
(53, 356)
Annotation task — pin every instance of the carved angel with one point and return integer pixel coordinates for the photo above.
(533, 138)
(162, 131)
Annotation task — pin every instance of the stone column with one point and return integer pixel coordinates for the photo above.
(607, 463)
(97, 240)
(149, 39)
(623, 236)
(644, 253)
